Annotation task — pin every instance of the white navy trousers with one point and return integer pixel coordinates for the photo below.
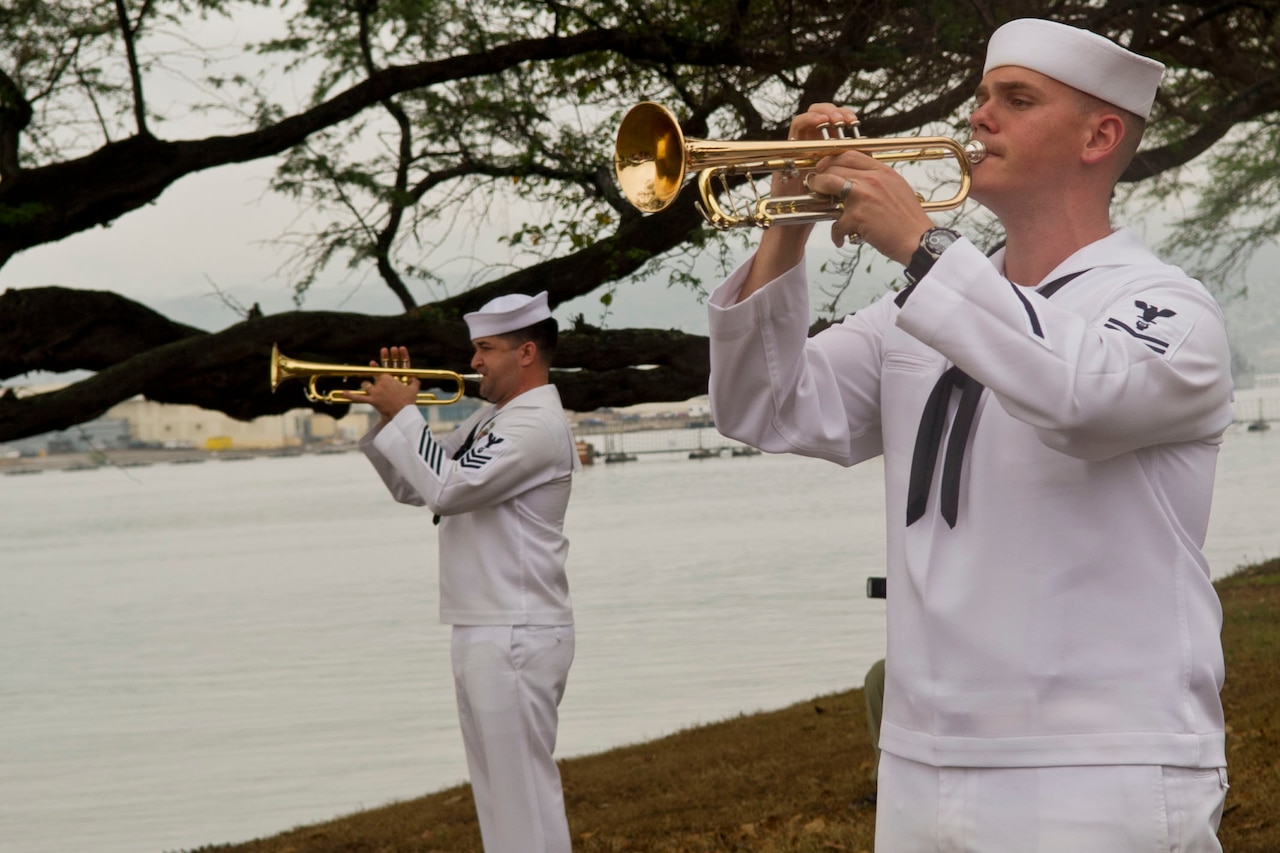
(509, 681)
(1120, 808)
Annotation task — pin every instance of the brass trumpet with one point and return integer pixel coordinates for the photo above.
(652, 157)
(284, 368)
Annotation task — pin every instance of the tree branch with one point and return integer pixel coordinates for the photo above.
(123, 176)
(1258, 100)
(136, 351)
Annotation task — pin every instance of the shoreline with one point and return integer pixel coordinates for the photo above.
(797, 779)
(90, 460)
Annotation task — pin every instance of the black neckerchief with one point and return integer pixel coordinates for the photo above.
(929, 433)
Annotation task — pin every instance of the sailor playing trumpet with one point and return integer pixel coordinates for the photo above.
(1049, 421)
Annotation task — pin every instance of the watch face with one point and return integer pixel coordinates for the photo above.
(936, 240)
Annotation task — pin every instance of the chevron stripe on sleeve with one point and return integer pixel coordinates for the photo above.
(430, 451)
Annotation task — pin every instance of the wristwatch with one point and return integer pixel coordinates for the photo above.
(932, 244)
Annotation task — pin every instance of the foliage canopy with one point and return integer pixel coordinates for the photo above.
(430, 120)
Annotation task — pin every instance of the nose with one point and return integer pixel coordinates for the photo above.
(982, 117)
(476, 361)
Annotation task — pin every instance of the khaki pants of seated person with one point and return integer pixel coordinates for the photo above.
(509, 681)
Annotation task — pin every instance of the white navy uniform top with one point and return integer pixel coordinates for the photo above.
(502, 505)
(1068, 617)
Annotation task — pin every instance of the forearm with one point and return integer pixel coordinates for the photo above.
(400, 488)
(774, 388)
(781, 250)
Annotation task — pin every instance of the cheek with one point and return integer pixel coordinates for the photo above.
(1025, 154)
(1052, 141)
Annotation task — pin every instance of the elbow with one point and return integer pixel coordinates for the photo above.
(404, 493)
(1102, 438)
(1080, 444)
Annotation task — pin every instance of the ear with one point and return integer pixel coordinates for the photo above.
(1106, 132)
(528, 353)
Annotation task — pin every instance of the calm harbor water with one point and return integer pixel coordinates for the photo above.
(196, 654)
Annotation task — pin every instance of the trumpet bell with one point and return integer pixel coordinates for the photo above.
(284, 368)
(649, 157)
(279, 366)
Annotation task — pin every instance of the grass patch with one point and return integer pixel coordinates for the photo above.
(792, 780)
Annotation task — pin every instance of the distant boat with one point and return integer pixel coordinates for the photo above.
(610, 458)
(704, 453)
(744, 451)
(1261, 424)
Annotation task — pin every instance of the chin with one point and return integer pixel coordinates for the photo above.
(983, 194)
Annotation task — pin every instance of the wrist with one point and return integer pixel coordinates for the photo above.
(933, 243)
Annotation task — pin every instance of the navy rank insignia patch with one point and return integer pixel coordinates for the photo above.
(483, 451)
(1143, 325)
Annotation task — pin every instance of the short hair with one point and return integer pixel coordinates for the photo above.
(544, 334)
(1134, 126)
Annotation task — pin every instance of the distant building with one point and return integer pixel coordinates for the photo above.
(105, 433)
(142, 423)
(155, 424)
(452, 414)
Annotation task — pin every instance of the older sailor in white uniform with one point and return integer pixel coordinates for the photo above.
(499, 485)
(1049, 419)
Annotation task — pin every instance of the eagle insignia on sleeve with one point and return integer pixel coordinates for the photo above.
(1143, 325)
(1150, 314)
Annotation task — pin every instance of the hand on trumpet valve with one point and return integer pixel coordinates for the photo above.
(386, 392)
(840, 195)
(825, 121)
(874, 202)
(840, 129)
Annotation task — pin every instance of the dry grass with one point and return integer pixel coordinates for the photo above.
(1251, 698)
(792, 780)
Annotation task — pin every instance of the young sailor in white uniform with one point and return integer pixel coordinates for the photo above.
(1049, 420)
(499, 485)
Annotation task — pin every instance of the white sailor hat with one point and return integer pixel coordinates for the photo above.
(1081, 59)
(507, 314)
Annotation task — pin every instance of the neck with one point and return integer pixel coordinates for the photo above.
(1036, 243)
